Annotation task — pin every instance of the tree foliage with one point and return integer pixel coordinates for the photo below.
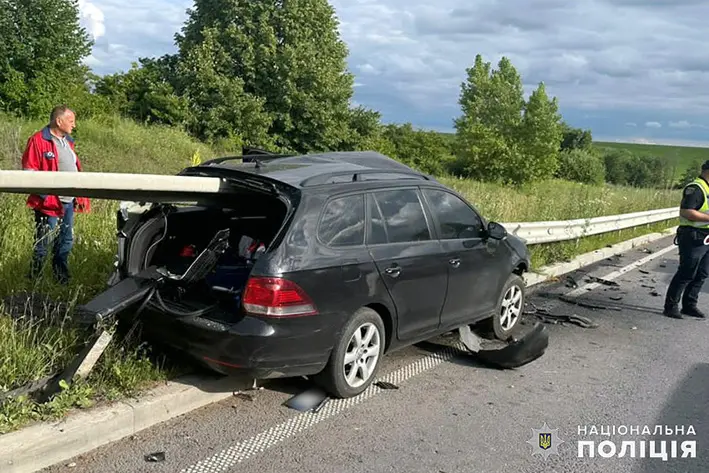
(287, 56)
(41, 54)
(500, 137)
(581, 166)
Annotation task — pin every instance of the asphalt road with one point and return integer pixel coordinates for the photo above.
(452, 414)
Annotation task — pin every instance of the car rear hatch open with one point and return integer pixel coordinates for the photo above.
(194, 260)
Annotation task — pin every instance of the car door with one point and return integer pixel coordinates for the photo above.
(472, 260)
(408, 259)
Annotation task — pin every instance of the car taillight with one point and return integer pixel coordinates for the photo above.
(276, 297)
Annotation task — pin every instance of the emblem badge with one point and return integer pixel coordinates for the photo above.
(545, 441)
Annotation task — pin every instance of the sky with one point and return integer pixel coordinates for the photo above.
(629, 70)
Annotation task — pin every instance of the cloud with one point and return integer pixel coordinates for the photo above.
(653, 125)
(626, 61)
(92, 18)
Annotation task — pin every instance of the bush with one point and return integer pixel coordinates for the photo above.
(581, 166)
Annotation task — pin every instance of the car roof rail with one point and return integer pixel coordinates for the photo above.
(248, 155)
(343, 177)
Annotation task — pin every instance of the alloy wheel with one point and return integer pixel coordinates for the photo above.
(362, 355)
(511, 308)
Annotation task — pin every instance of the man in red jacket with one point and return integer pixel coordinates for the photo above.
(52, 149)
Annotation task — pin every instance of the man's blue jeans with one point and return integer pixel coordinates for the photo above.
(61, 239)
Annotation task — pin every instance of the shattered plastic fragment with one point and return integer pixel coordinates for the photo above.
(155, 457)
(386, 385)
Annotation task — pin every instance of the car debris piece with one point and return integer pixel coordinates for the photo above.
(386, 385)
(588, 305)
(605, 282)
(643, 271)
(319, 407)
(518, 352)
(155, 457)
(307, 400)
(616, 298)
(545, 316)
(571, 282)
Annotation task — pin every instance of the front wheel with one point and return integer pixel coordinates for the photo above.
(356, 357)
(509, 308)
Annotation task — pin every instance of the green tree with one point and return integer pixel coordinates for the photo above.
(499, 137)
(222, 111)
(576, 138)
(690, 174)
(581, 166)
(41, 55)
(288, 56)
(146, 93)
(420, 149)
(481, 146)
(540, 133)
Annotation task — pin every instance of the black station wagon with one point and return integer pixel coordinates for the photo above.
(315, 265)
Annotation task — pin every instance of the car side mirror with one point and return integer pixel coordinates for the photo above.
(496, 231)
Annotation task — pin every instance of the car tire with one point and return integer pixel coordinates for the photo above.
(334, 378)
(509, 309)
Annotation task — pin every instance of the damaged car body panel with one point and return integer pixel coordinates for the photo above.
(311, 265)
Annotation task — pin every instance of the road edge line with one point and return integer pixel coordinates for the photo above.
(46, 444)
(549, 272)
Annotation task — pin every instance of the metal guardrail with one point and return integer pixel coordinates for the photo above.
(563, 230)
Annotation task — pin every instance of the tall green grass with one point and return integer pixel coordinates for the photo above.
(36, 335)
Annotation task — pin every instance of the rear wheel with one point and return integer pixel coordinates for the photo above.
(508, 313)
(356, 356)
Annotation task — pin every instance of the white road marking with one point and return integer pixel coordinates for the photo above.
(243, 450)
(584, 288)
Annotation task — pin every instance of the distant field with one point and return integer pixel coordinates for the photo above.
(681, 156)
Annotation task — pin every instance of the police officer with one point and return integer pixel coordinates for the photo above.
(693, 241)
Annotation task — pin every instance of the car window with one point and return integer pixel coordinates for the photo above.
(378, 233)
(342, 222)
(403, 215)
(455, 218)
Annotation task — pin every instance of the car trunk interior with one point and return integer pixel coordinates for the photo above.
(201, 255)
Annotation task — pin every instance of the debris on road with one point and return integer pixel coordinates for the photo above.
(307, 400)
(518, 352)
(322, 403)
(605, 282)
(386, 385)
(571, 282)
(243, 395)
(616, 298)
(643, 271)
(155, 457)
(655, 293)
(546, 317)
(587, 305)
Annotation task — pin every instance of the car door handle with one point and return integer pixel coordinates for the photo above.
(393, 271)
(455, 262)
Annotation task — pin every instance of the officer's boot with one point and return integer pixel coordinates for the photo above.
(672, 311)
(693, 311)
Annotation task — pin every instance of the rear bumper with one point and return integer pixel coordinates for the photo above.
(251, 347)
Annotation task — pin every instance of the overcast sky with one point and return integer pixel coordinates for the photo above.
(627, 69)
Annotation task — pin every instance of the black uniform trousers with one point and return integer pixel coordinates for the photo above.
(693, 268)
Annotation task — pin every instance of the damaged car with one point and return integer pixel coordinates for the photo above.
(314, 265)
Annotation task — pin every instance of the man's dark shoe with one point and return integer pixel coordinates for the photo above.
(672, 312)
(693, 312)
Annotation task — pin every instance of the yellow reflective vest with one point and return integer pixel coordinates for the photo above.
(683, 222)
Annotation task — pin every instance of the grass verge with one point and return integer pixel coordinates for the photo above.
(36, 335)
